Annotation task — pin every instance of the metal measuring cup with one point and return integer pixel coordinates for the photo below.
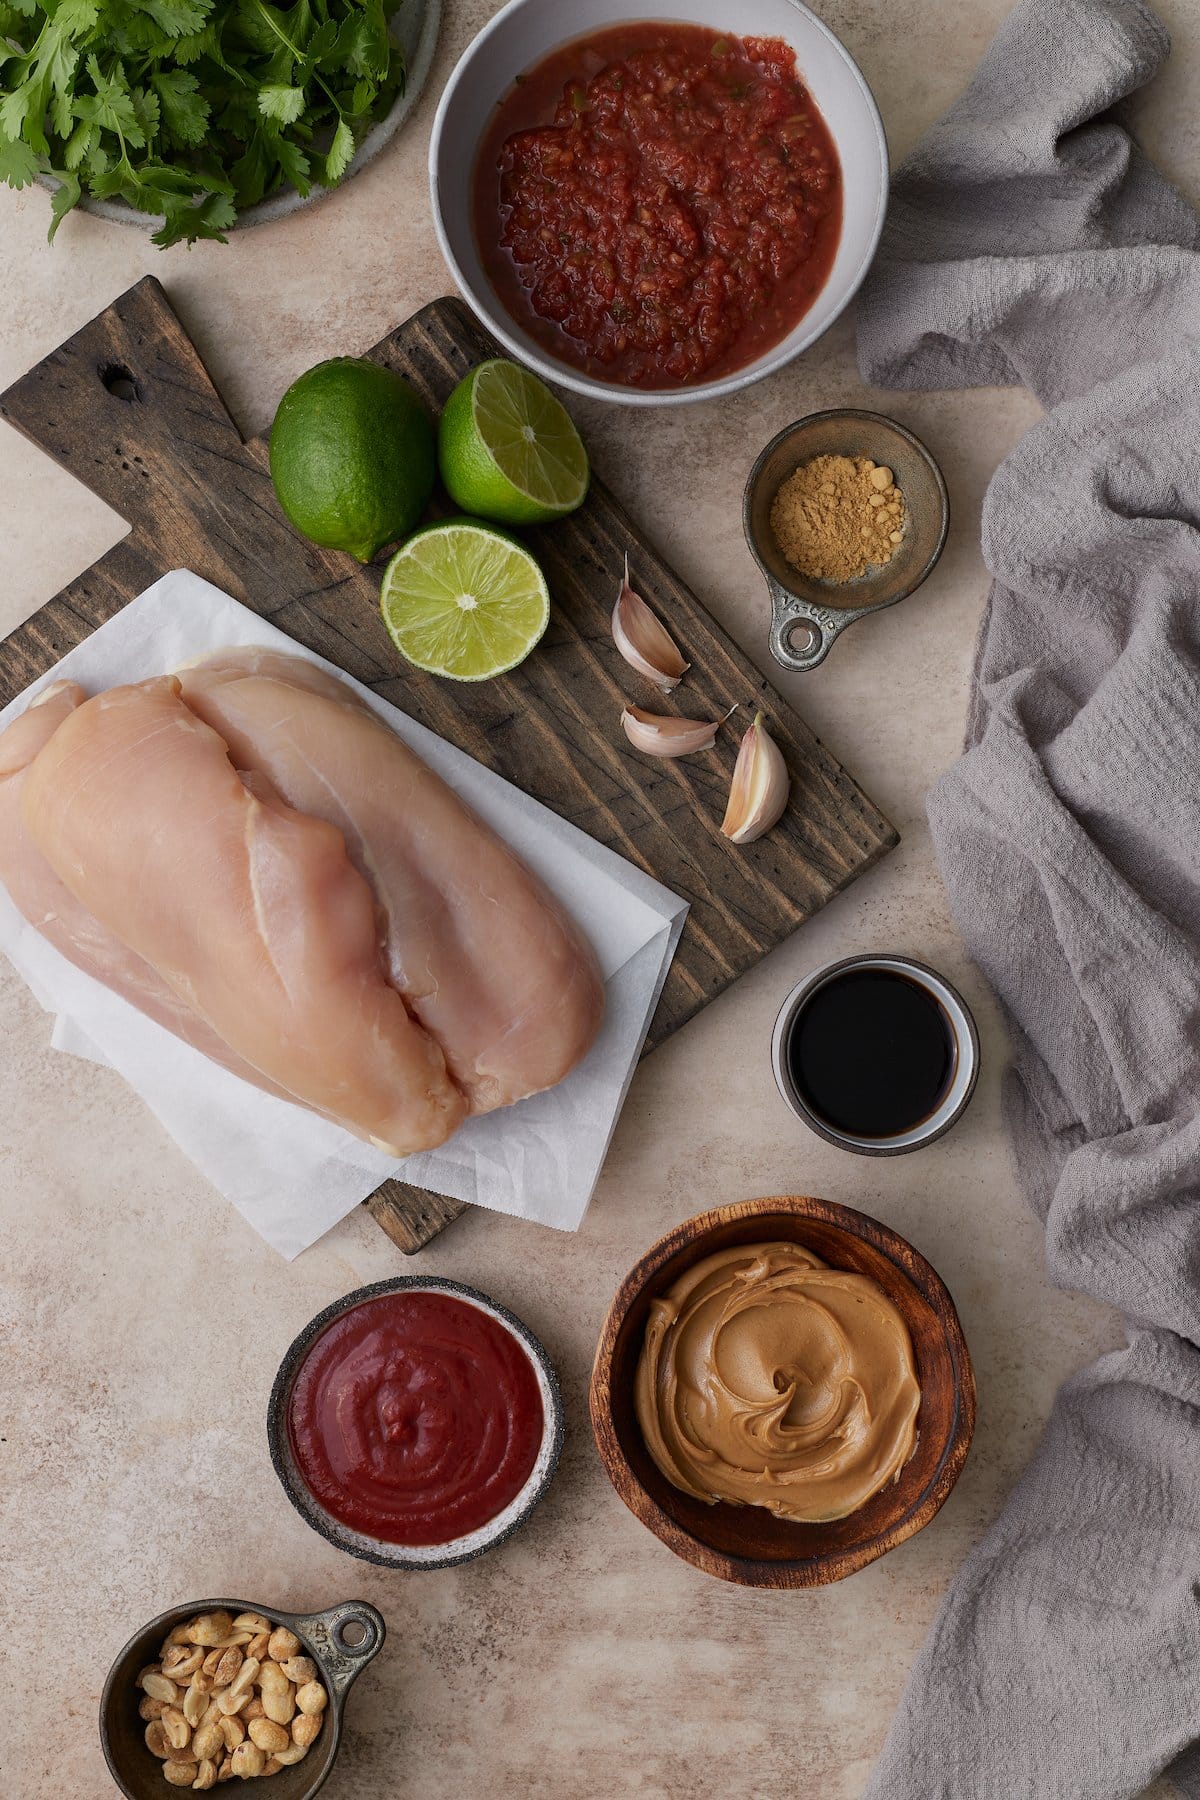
(807, 615)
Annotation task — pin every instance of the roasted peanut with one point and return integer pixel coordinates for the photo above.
(270, 1675)
(280, 1703)
(210, 1662)
(227, 1665)
(300, 1669)
(284, 1643)
(233, 1731)
(268, 1736)
(212, 1712)
(312, 1698)
(160, 1687)
(180, 1774)
(248, 1760)
(258, 1645)
(306, 1728)
(195, 1705)
(247, 1675)
(210, 1629)
(150, 1709)
(253, 1709)
(293, 1754)
(252, 1622)
(206, 1776)
(272, 1766)
(156, 1740)
(229, 1702)
(180, 1661)
(177, 1728)
(225, 1772)
(208, 1741)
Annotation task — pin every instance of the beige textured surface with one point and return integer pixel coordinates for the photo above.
(143, 1321)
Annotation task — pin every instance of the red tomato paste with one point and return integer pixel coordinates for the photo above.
(658, 204)
(415, 1418)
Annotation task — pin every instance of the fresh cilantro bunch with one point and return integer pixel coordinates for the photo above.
(191, 109)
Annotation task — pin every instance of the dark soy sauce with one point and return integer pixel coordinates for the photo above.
(872, 1053)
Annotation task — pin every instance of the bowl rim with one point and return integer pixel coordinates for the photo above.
(933, 982)
(339, 1681)
(801, 1572)
(490, 310)
(377, 1550)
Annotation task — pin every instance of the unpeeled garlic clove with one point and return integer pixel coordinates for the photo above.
(644, 640)
(662, 734)
(760, 787)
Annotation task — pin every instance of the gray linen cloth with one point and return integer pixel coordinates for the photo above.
(1030, 241)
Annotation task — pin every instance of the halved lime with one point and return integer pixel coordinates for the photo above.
(465, 600)
(507, 449)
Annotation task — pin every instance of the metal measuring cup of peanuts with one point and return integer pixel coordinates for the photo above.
(807, 615)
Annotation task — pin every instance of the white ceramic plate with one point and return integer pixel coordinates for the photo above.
(414, 27)
(526, 31)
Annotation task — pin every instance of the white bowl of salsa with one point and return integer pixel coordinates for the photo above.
(663, 209)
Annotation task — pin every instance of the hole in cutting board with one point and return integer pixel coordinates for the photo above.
(120, 382)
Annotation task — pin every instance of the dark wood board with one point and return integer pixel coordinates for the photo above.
(127, 406)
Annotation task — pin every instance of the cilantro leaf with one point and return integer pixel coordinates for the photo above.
(184, 108)
(338, 155)
(282, 103)
(210, 217)
(19, 163)
(65, 196)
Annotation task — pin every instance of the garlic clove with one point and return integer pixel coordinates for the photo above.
(760, 787)
(644, 640)
(662, 734)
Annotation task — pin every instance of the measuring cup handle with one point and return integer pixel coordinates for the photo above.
(344, 1638)
(801, 634)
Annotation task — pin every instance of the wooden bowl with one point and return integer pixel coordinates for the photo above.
(341, 1641)
(747, 1544)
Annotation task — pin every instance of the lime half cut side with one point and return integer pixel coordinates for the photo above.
(464, 600)
(508, 450)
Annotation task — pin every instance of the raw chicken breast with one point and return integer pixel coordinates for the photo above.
(249, 911)
(484, 955)
(39, 895)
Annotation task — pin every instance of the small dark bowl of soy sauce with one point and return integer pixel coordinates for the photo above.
(878, 1054)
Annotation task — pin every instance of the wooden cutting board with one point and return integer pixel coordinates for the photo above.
(128, 407)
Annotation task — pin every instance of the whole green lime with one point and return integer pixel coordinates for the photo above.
(352, 456)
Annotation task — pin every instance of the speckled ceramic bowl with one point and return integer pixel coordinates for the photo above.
(341, 1641)
(416, 1556)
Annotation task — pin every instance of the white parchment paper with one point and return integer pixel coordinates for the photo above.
(291, 1174)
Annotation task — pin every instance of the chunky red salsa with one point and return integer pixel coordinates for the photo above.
(658, 204)
(415, 1418)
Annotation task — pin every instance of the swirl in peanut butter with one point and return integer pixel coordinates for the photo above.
(769, 1379)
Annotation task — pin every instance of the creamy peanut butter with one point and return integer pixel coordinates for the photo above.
(769, 1379)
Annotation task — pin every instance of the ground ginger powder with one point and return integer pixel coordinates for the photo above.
(838, 516)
